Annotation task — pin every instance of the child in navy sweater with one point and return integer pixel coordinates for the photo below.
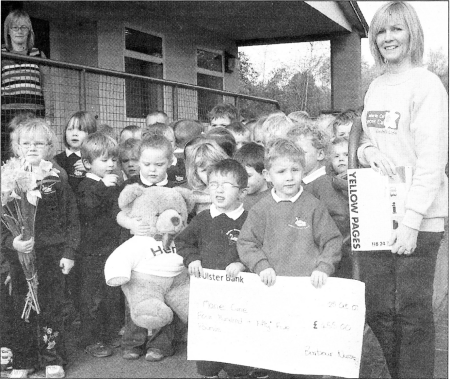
(209, 241)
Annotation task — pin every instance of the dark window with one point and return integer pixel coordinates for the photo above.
(209, 60)
(143, 97)
(207, 100)
(143, 43)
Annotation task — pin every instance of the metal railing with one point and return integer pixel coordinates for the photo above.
(119, 99)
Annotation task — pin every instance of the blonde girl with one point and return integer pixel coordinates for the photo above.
(198, 158)
(56, 237)
(79, 126)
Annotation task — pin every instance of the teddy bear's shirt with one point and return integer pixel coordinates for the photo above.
(145, 255)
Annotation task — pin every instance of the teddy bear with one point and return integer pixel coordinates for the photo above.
(151, 273)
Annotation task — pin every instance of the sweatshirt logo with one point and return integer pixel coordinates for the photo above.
(383, 119)
(233, 236)
(299, 224)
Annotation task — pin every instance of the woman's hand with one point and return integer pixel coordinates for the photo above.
(195, 268)
(23, 246)
(233, 269)
(379, 161)
(66, 265)
(403, 240)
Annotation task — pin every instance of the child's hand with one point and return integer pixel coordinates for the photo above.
(66, 265)
(79, 166)
(139, 227)
(23, 246)
(268, 276)
(318, 279)
(233, 269)
(195, 268)
(110, 180)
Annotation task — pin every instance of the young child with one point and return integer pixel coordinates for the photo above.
(156, 117)
(289, 232)
(130, 131)
(79, 126)
(342, 124)
(185, 131)
(251, 156)
(56, 237)
(314, 143)
(202, 155)
(129, 157)
(240, 133)
(96, 196)
(177, 171)
(209, 240)
(222, 115)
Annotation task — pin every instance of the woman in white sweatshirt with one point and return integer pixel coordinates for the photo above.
(405, 122)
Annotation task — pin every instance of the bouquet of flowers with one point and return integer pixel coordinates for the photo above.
(21, 188)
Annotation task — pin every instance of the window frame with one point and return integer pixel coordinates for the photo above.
(205, 71)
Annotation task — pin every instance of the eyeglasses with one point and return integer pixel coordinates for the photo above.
(22, 28)
(226, 186)
(38, 145)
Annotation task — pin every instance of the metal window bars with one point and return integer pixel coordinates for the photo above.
(117, 98)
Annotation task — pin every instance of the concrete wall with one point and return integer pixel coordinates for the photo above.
(346, 71)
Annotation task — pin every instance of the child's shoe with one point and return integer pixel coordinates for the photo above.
(154, 355)
(54, 372)
(23, 373)
(99, 350)
(6, 359)
(132, 354)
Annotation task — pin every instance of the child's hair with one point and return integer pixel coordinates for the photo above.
(333, 143)
(106, 129)
(20, 118)
(186, 130)
(283, 148)
(97, 145)
(344, 118)
(230, 166)
(319, 138)
(224, 139)
(156, 117)
(238, 128)
(131, 145)
(33, 126)
(83, 121)
(159, 129)
(130, 128)
(258, 128)
(276, 126)
(325, 122)
(156, 141)
(224, 110)
(299, 117)
(251, 155)
(203, 154)
(191, 144)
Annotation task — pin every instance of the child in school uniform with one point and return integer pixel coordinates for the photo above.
(40, 342)
(129, 157)
(96, 196)
(209, 241)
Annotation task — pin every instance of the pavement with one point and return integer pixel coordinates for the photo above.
(372, 363)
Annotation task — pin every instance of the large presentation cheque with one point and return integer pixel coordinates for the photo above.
(290, 327)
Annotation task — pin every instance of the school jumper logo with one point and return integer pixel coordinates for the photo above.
(299, 224)
(383, 119)
(233, 236)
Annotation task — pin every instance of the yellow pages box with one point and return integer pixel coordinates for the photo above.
(377, 205)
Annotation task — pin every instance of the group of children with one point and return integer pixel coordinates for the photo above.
(277, 182)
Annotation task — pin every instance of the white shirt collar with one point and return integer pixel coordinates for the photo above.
(174, 162)
(93, 176)
(314, 175)
(293, 199)
(162, 183)
(234, 215)
(70, 152)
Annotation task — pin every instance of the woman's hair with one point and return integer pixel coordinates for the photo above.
(405, 13)
(224, 139)
(83, 121)
(12, 17)
(97, 145)
(203, 154)
(34, 126)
